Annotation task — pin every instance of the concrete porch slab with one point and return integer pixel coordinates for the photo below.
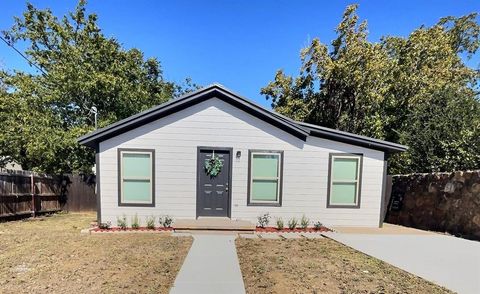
(213, 223)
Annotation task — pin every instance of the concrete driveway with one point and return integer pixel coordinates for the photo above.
(445, 260)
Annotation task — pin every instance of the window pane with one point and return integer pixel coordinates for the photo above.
(264, 190)
(264, 165)
(343, 193)
(345, 168)
(136, 165)
(136, 191)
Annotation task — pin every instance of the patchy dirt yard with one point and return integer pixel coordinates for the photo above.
(320, 266)
(49, 255)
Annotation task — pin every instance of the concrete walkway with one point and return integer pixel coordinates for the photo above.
(445, 260)
(211, 266)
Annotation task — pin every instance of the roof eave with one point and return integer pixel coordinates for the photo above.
(382, 146)
(92, 139)
(298, 129)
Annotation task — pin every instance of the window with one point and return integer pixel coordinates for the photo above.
(136, 177)
(265, 178)
(344, 180)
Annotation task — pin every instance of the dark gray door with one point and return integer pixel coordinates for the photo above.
(213, 194)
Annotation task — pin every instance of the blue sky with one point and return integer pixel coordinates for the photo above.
(240, 44)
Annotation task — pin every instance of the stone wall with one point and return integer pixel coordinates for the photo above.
(445, 202)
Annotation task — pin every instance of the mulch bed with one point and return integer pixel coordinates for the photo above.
(141, 229)
(287, 230)
(257, 229)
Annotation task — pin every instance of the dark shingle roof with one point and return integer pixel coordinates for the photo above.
(297, 129)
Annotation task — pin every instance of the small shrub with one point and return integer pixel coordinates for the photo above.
(317, 225)
(292, 223)
(280, 224)
(135, 222)
(150, 222)
(122, 222)
(304, 222)
(105, 226)
(166, 221)
(263, 220)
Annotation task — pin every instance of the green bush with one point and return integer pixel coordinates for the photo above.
(263, 220)
(122, 222)
(150, 222)
(292, 223)
(105, 226)
(304, 222)
(280, 224)
(166, 221)
(135, 222)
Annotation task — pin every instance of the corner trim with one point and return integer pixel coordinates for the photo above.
(280, 192)
(97, 183)
(119, 177)
(360, 177)
(384, 190)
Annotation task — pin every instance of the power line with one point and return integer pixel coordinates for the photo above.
(31, 63)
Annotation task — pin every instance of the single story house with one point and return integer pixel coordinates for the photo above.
(213, 153)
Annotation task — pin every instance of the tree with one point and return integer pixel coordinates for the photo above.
(345, 87)
(442, 135)
(45, 113)
(382, 89)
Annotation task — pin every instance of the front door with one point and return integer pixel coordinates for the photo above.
(213, 190)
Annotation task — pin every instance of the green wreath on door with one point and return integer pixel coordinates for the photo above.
(213, 165)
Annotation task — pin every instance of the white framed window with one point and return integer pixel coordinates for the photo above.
(344, 180)
(136, 177)
(265, 178)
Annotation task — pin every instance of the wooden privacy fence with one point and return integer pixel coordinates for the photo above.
(27, 193)
(80, 193)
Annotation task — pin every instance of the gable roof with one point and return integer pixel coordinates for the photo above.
(297, 129)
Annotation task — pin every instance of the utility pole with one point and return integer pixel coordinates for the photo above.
(95, 112)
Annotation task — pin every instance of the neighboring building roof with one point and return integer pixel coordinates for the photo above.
(10, 164)
(298, 129)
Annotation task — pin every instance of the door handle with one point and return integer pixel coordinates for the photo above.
(226, 187)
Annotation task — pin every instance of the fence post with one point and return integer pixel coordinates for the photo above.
(32, 190)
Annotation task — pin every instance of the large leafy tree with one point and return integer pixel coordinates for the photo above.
(43, 114)
(415, 90)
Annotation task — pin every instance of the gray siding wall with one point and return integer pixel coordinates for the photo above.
(215, 123)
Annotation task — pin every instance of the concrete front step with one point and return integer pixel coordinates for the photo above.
(213, 224)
